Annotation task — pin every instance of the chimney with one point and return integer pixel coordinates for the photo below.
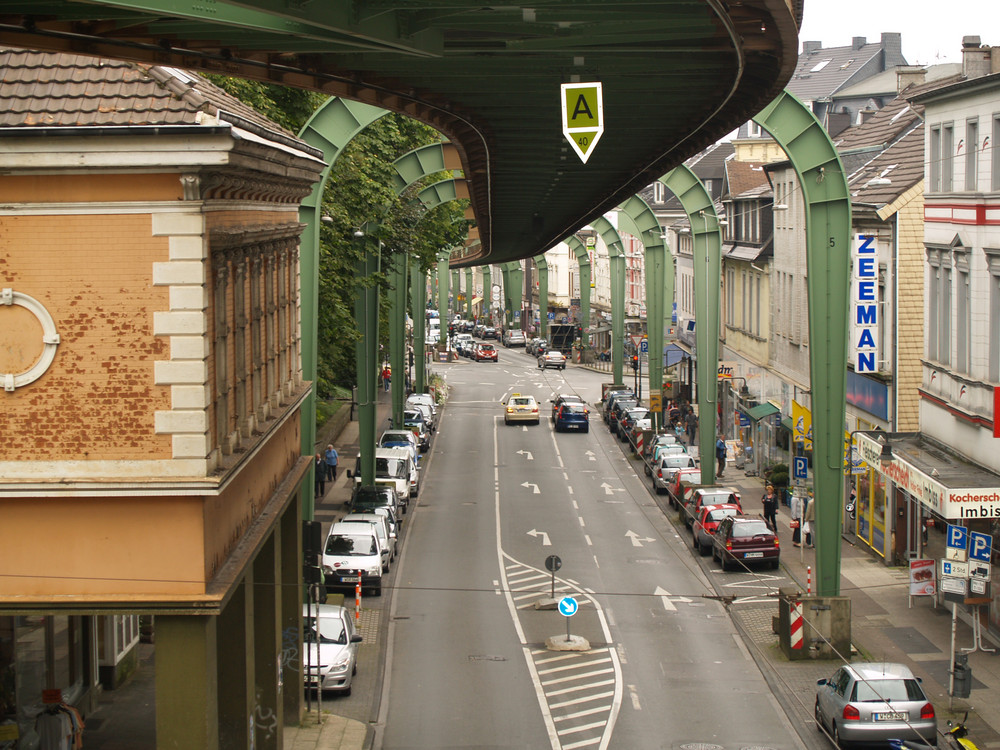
(858, 42)
(808, 47)
(909, 75)
(892, 49)
(975, 57)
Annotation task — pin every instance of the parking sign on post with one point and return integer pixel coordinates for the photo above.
(956, 543)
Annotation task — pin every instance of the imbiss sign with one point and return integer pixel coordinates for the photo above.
(950, 502)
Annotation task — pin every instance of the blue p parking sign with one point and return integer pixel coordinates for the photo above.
(800, 467)
(980, 546)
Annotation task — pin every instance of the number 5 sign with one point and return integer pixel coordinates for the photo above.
(582, 116)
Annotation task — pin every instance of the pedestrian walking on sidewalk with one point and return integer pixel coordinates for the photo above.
(720, 456)
(692, 426)
(319, 466)
(796, 510)
(770, 501)
(808, 516)
(332, 458)
(386, 377)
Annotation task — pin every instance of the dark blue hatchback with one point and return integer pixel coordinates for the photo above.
(572, 416)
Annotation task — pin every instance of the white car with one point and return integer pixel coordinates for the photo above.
(352, 554)
(422, 398)
(664, 470)
(332, 656)
(386, 536)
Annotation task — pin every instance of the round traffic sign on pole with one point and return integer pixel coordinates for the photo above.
(553, 563)
(568, 606)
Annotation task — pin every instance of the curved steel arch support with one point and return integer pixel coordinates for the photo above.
(639, 220)
(425, 160)
(616, 261)
(697, 204)
(543, 296)
(330, 129)
(828, 235)
(586, 274)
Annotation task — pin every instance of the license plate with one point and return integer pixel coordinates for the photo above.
(748, 555)
(350, 579)
(890, 716)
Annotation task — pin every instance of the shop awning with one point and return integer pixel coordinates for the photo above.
(674, 355)
(760, 411)
(476, 300)
(786, 422)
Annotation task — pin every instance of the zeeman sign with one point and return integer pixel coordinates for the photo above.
(582, 116)
(864, 321)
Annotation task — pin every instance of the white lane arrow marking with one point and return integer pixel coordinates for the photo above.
(526, 454)
(524, 428)
(609, 490)
(668, 600)
(638, 540)
(534, 487)
(543, 535)
(590, 456)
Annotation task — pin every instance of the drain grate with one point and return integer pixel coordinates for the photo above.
(486, 657)
(700, 746)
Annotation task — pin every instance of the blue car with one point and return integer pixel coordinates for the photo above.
(572, 416)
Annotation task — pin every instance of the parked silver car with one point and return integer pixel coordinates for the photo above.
(332, 644)
(874, 702)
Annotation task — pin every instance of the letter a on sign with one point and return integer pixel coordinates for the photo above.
(582, 116)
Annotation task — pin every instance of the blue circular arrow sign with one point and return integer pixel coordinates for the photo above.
(568, 606)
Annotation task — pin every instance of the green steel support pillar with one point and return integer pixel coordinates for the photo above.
(697, 204)
(543, 296)
(505, 275)
(470, 292)
(828, 251)
(456, 286)
(616, 260)
(517, 294)
(332, 126)
(637, 218)
(418, 293)
(366, 356)
(487, 292)
(583, 261)
(442, 298)
(187, 682)
(397, 336)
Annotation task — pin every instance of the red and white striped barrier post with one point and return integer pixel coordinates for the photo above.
(357, 601)
(638, 443)
(809, 580)
(795, 618)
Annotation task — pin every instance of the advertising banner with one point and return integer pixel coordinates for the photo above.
(923, 579)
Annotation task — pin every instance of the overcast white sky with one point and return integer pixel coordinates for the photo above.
(932, 30)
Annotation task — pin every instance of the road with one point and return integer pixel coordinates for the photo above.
(467, 662)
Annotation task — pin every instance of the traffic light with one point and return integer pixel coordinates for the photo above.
(635, 361)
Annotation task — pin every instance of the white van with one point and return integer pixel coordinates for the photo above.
(412, 468)
(352, 553)
(395, 466)
(386, 537)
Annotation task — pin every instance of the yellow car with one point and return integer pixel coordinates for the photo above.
(520, 408)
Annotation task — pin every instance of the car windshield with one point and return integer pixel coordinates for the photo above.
(876, 691)
(675, 462)
(391, 468)
(750, 529)
(521, 401)
(486, 347)
(719, 513)
(709, 498)
(351, 545)
(574, 409)
(331, 630)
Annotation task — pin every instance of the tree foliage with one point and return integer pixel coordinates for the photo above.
(360, 196)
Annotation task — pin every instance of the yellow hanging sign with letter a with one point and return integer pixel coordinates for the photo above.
(582, 116)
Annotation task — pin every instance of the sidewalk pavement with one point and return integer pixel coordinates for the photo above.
(884, 627)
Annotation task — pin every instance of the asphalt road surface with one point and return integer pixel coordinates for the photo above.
(467, 663)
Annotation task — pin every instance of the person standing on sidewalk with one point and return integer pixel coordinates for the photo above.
(692, 426)
(319, 467)
(808, 516)
(796, 510)
(770, 501)
(720, 456)
(332, 458)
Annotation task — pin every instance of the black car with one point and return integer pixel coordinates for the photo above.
(366, 498)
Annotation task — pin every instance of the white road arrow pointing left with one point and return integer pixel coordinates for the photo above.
(543, 535)
(534, 487)
(526, 454)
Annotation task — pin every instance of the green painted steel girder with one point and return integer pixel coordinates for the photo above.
(586, 274)
(543, 296)
(418, 298)
(470, 291)
(638, 219)
(487, 291)
(397, 335)
(330, 129)
(697, 204)
(828, 251)
(423, 161)
(616, 261)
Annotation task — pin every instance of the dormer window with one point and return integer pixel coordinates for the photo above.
(819, 66)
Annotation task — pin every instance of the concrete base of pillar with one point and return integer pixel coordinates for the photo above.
(562, 643)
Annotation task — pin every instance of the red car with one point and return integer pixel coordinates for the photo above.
(743, 540)
(676, 487)
(704, 528)
(486, 352)
(708, 495)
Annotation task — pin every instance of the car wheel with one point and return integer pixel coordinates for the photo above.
(354, 670)
(817, 714)
(659, 490)
(506, 421)
(724, 560)
(377, 591)
(346, 692)
(586, 429)
(703, 550)
(645, 468)
(537, 422)
(837, 742)
(775, 564)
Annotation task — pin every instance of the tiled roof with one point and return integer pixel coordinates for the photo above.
(742, 176)
(821, 73)
(42, 89)
(902, 164)
(884, 126)
(887, 81)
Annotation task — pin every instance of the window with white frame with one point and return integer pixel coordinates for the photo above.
(659, 192)
(730, 296)
(962, 316)
(934, 167)
(947, 157)
(993, 261)
(749, 322)
(933, 302)
(995, 148)
(971, 154)
(757, 328)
